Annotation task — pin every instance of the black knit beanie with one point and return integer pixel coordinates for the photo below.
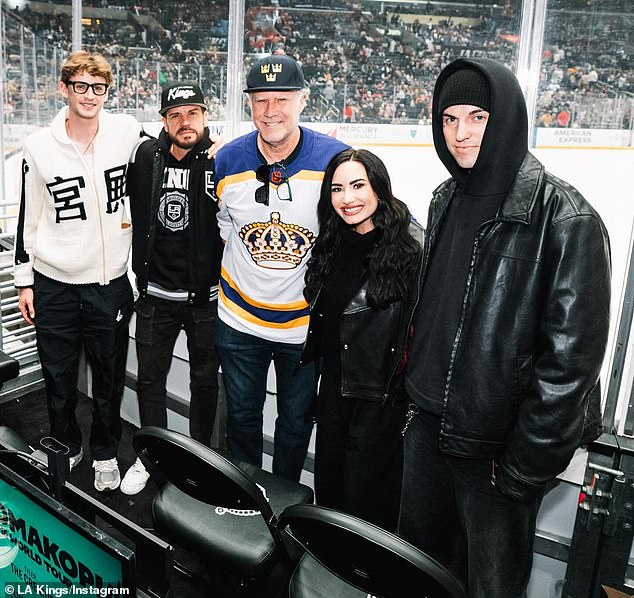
(465, 86)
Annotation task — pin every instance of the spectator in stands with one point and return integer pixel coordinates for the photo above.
(329, 92)
(176, 253)
(268, 185)
(563, 117)
(593, 77)
(71, 256)
(362, 285)
(349, 113)
(510, 334)
(545, 120)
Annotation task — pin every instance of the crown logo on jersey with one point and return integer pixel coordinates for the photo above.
(276, 244)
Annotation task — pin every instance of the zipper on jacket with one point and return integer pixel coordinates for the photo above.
(484, 228)
(104, 270)
(158, 168)
(412, 411)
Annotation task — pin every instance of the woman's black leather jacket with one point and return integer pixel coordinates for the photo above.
(373, 341)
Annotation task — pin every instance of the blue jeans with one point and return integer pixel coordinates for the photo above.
(158, 325)
(245, 361)
(451, 511)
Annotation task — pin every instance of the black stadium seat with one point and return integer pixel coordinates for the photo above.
(347, 557)
(224, 512)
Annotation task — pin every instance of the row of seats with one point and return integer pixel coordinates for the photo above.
(244, 521)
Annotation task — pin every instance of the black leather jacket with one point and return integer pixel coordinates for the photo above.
(522, 386)
(372, 340)
(144, 182)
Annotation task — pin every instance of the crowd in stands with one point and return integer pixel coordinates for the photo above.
(384, 70)
(364, 64)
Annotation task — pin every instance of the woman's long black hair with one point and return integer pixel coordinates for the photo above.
(395, 250)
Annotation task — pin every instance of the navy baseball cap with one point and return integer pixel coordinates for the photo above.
(277, 72)
(182, 93)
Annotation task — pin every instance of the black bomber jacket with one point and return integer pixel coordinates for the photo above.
(523, 382)
(373, 341)
(144, 184)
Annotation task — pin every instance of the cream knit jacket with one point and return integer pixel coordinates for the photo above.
(72, 225)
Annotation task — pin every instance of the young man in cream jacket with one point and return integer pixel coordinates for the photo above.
(71, 255)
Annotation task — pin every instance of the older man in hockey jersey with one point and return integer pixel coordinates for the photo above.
(268, 184)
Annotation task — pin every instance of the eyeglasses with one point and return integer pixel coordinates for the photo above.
(98, 89)
(276, 174)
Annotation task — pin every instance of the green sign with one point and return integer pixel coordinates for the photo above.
(40, 549)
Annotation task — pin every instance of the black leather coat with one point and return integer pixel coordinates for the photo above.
(373, 340)
(522, 386)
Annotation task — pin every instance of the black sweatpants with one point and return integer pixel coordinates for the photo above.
(95, 317)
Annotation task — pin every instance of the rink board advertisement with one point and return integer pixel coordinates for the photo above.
(402, 135)
(43, 554)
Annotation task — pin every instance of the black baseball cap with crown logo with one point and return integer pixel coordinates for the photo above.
(181, 93)
(277, 72)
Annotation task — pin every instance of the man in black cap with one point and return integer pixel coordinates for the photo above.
(176, 255)
(268, 185)
(510, 334)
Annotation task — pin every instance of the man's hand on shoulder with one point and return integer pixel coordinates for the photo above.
(217, 141)
(25, 304)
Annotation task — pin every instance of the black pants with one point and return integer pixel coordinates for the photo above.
(358, 455)
(450, 510)
(95, 317)
(158, 324)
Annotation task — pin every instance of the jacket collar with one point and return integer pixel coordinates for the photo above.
(520, 199)
(58, 126)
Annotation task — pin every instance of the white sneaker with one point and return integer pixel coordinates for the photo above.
(107, 475)
(75, 459)
(135, 478)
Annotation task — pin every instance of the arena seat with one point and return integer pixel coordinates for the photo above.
(351, 558)
(223, 511)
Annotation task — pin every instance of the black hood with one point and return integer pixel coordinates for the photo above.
(505, 141)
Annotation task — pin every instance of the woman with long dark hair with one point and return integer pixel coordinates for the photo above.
(362, 286)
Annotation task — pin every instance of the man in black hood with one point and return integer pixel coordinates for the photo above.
(510, 334)
(176, 256)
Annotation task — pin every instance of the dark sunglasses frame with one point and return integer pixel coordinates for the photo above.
(262, 193)
(262, 174)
